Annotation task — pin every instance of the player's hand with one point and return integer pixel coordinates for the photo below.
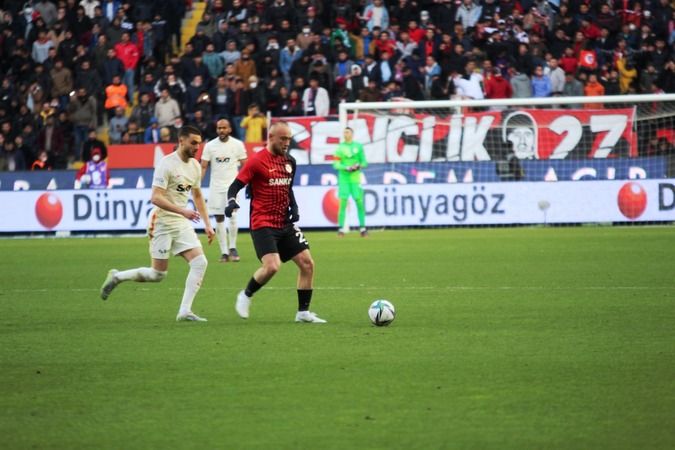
(210, 233)
(231, 207)
(191, 214)
(293, 215)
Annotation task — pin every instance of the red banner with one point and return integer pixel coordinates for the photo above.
(407, 136)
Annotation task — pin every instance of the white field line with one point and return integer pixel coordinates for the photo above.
(375, 288)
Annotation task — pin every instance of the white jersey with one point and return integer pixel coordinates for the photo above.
(224, 158)
(178, 178)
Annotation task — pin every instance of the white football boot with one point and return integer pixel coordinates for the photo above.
(242, 305)
(109, 284)
(308, 317)
(190, 317)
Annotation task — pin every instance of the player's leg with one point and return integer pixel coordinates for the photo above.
(357, 195)
(343, 195)
(305, 265)
(216, 206)
(198, 264)
(221, 235)
(294, 246)
(159, 251)
(188, 246)
(232, 230)
(265, 243)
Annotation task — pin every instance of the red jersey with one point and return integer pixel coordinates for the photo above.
(270, 178)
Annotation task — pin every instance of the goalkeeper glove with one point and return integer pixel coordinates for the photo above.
(231, 207)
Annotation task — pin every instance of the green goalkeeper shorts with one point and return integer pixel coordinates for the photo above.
(354, 190)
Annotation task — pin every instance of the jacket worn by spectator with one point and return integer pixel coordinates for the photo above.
(521, 85)
(83, 113)
(166, 111)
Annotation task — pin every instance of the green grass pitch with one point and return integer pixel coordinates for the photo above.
(507, 338)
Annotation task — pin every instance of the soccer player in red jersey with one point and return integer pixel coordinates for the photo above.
(276, 238)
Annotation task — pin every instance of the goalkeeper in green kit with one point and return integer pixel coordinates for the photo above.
(349, 160)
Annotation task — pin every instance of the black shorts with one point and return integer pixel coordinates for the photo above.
(287, 241)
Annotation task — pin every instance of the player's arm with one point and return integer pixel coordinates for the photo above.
(293, 213)
(160, 200)
(200, 204)
(338, 164)
(363, 163)
(205, 165)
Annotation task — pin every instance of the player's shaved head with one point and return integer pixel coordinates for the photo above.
(279, 138)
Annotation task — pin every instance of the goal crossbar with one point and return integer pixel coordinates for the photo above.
(344, 108)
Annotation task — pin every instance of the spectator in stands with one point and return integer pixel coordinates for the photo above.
(14, 159)
(468, 13)
(254, 124)
(315, 99)
(376, 15)
(430, 70)
(556, 75)
(521, 85)
(593, 88)
(51, 140)
(627, 74)
(497, 86)
(230, 54)
(167, 109)
(289, 54)
(152, 132)
(143, 111)
(133, 134)
(41, 162)
(245, 66)
(356, 82)
(116, 96)
(62, 83)
(541, 83)
(213, 61)
(91, 144)
(118, 126)
(94, 173)
(82, 112)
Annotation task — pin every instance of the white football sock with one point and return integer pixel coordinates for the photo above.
(193, 283)
(141, 274)
(232, 231)
(221, 234)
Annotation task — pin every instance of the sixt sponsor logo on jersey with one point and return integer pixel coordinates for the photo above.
(280, 181)
(459, 207)
(102, 208)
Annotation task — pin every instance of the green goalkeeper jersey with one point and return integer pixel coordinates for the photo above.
(348, 155)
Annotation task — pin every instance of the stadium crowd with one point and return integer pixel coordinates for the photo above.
(70, 68)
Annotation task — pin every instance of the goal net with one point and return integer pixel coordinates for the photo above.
(509, 161)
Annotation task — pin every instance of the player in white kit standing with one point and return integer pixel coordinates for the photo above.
(225, 154)
(169, 226)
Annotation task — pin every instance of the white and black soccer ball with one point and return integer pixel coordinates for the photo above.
(381, 313)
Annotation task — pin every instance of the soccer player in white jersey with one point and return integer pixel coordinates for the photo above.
(225, 154)
(169, 226)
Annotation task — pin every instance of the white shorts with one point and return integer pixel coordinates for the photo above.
(217, 202)
(171, 240)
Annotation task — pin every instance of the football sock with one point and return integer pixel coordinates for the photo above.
(141, 274)
(304, 299)
(193, 283)
(360, 207)
(252, 287)
(342, 212)
(232, 232)
(221, 234)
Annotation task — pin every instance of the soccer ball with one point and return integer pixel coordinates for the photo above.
(381, 313)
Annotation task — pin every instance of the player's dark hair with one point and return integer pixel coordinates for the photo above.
(187, 130)
(350, 129)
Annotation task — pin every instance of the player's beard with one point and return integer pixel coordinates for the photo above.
(279, 150)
